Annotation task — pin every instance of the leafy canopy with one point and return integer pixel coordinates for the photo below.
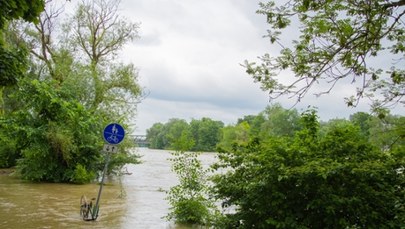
(189, 199)
(12, 61)
(56, 109)
(20, 9)
(333, 180)
(337, 39)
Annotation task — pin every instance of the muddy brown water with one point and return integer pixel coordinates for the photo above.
(132, 201)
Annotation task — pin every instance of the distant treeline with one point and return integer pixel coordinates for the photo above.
(204, 134)
(207, 134)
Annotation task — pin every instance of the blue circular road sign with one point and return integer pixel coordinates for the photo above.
(114, 133)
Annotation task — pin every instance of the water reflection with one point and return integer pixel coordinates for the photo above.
(136, 201)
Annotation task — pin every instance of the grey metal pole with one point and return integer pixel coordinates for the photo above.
(95, 209)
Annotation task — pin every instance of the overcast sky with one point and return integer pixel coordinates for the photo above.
(189, 55)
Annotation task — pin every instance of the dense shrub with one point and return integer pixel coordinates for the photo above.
(339, 180)
(189, 199)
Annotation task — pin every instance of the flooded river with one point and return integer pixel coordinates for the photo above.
(134, 201)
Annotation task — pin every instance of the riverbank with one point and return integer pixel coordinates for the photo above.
(8, 171)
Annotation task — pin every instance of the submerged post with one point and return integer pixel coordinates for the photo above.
(113, 135)
(95, 208)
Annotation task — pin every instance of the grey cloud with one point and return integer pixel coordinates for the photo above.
(189, 56)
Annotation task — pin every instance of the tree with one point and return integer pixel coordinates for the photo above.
(234, 135)
(13, 65)
(387, 133)
(337, 40)
(279, 121)
(189, 199)
(55, 135)
(273, 121)
(155, 137)
(87, 44)
(174, 129)
(13, 59)
(99, 33)
(336, 180)
(255, 123)
(27, 10)
(66, 99)
(362, 120)
(206, 134)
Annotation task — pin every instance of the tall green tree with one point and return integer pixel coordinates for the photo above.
(387, 133)
(189, 200)
(98, 35)
(274, 120)
(206, 134)
(280, 121)
(27, 10)
(334, 180)
(87, 44)
(68, 98)
(362, 120)
(174, 130)
(336, 40)
(155, 136)
(13, 65)
(58, 138)
(234, 135)
(13, 59)
(255, 123)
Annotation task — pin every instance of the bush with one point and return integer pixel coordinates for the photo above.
(339, 180)
(81, 175)
(38, 165)
(8, 152)
(190, 211)
(188, 200)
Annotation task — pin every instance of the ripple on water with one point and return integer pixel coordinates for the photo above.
(33, 205)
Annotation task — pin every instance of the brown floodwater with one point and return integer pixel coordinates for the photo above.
(131, 201)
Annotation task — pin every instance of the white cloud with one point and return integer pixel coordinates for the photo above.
(189, 57)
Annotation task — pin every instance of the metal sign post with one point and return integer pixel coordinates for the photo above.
(113, 134)
(95, 209)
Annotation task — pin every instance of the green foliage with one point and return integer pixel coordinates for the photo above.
(281, 170)
(28, 10)
(120, 159)
(175, 129)
(189, 211)
(363, 121)
(231, 135)
(56, 132)
(81, 175)
(334, 180)
(8, 150)
(188, 200)
(387, 133)
(155, 136)
(273, 121)
(205, 134)
(12, 61)
(38, 165)
(336, 40)
(184, 142)
(95, 41)
(56, 111)
(12, 66)
(278, 121)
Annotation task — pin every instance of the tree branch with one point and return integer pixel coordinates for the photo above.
(394, 4)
